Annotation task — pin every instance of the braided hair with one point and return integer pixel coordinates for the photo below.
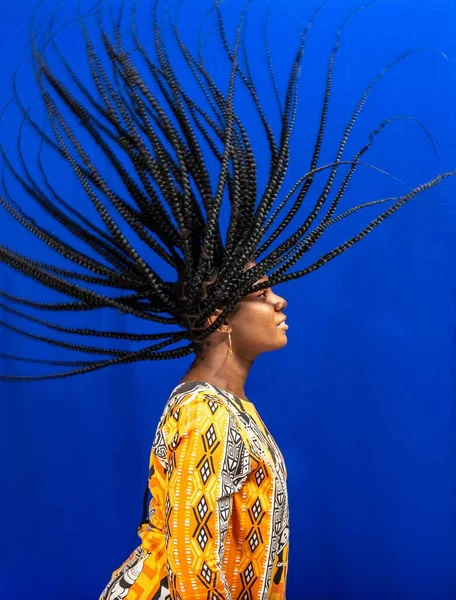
(161, 143)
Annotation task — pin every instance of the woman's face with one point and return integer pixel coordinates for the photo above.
(258, 325)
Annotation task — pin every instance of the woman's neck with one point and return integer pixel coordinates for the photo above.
(229, 373)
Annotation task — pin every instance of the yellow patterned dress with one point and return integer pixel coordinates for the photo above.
(218, 522)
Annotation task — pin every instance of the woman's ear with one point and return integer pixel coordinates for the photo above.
(213, 317)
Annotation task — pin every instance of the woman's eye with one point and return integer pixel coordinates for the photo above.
(262, 294)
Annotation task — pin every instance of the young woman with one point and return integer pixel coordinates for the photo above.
(217, 525)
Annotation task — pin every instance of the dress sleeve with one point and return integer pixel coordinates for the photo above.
(208, 463)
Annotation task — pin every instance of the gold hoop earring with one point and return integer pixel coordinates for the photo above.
(230, 349)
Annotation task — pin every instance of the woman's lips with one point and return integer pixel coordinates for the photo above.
(282, 322)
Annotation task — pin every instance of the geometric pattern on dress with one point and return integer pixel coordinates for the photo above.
(232, 540)
(163, 592)
(220, 467)
(261, 440)
(119, 586)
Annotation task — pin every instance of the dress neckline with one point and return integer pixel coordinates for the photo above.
(217, 387)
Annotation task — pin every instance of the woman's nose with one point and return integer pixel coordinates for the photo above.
(281, 303)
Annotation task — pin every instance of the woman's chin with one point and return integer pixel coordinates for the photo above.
(283, 341)
(279, 342)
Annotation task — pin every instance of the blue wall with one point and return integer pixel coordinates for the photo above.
(361, 401)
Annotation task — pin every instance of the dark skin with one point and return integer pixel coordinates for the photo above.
(255, 327)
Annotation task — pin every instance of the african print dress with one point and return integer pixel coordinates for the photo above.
(218, 518)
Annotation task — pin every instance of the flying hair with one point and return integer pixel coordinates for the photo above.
(161, 134)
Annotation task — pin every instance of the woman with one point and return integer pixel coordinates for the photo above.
(217, 524)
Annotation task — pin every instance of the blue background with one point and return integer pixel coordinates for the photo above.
(361, 401)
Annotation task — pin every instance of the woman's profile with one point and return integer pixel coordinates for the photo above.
(215, 512)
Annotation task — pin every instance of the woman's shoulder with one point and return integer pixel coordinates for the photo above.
(184, 396)
(190, 404)
(188, 393)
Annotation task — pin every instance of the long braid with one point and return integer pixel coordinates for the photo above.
(169, 233)
(171, 132)
(33, 190)
(93, 332)
(355, 163)
(145, 161)
(128, 304)
(207, 250)
(279, 164)
(56, 244)
(25, 267)
(145, 510)
(318, 142)
(54, 116)
(248, 81)
(354, 240)
(269, 59)
(96, 178)
(242, 153)
(130, 357)
(278, 171)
